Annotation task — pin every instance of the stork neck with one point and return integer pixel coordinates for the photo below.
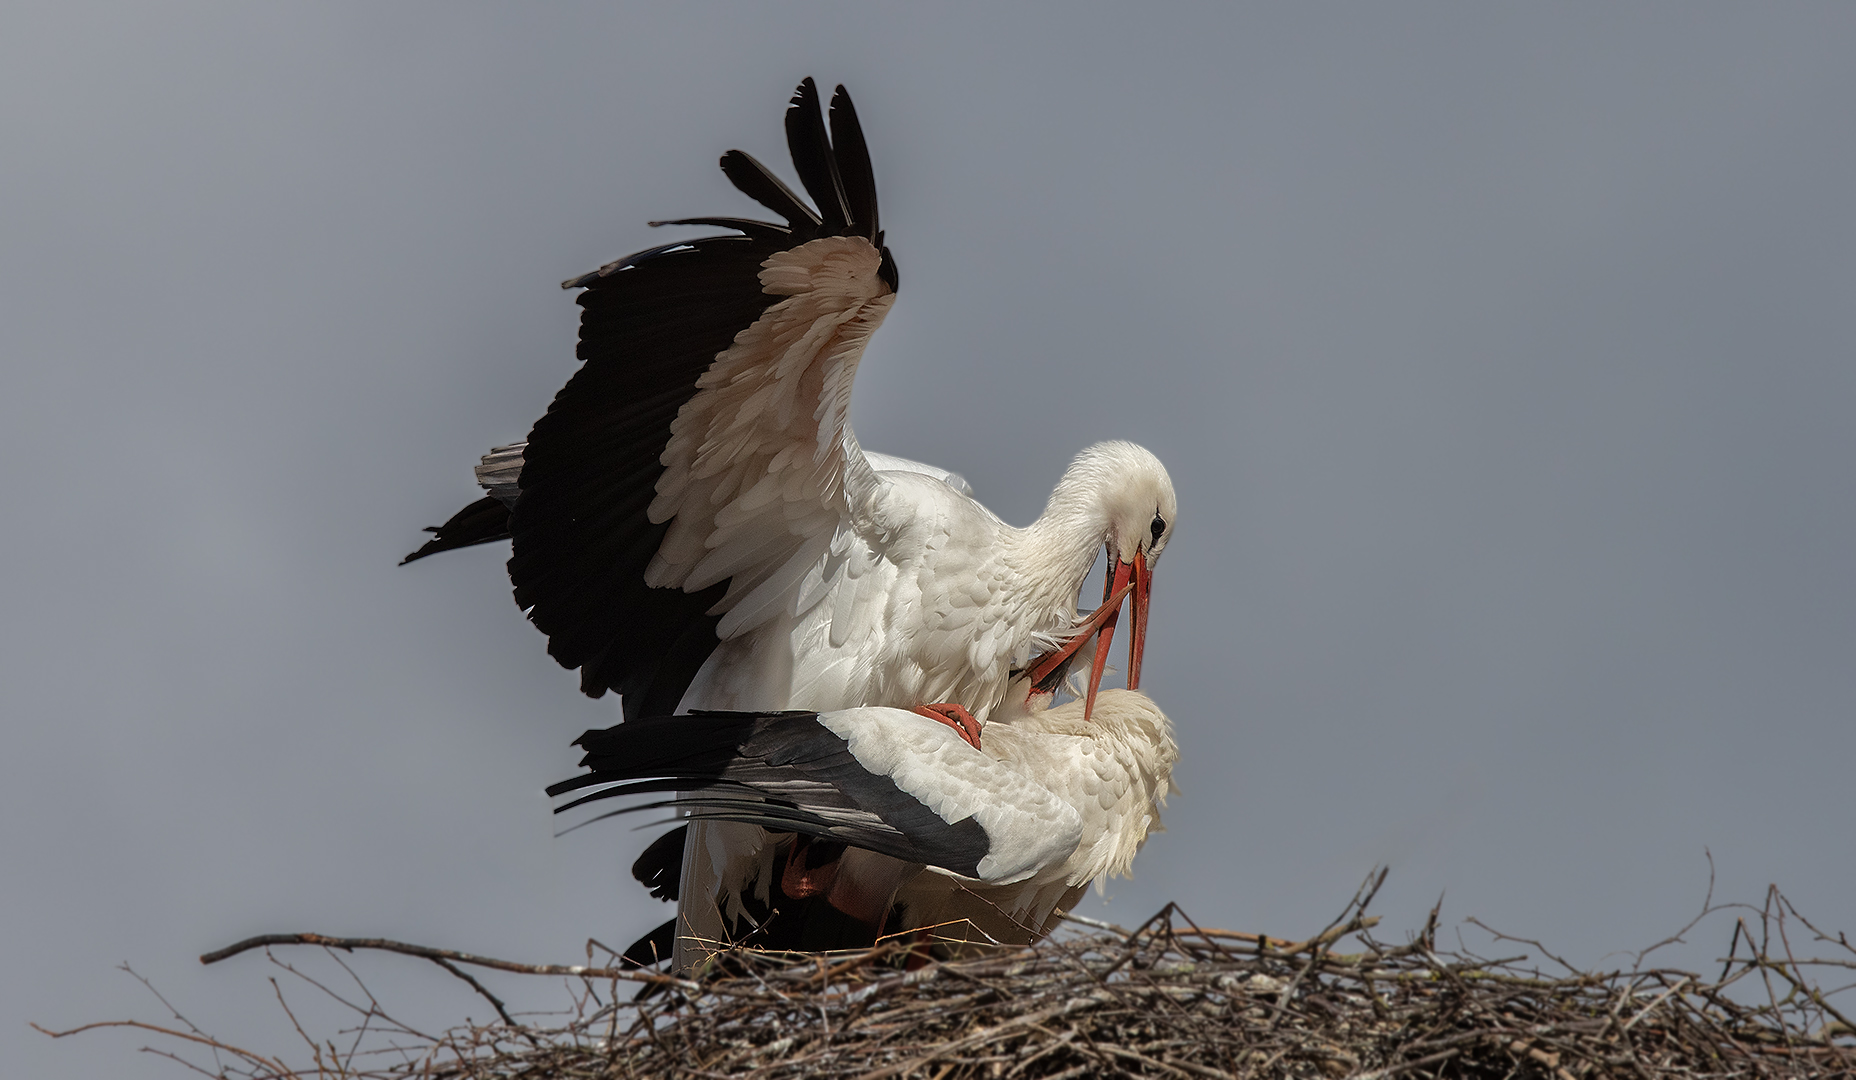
(1058, 549)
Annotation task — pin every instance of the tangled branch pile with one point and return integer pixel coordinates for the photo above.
(1167, 999)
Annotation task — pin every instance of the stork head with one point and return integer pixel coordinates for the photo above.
(1141, 506)
(1137, 496)
(1131, 499)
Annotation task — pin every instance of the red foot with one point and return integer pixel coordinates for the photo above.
(954, 716)
(800, 880)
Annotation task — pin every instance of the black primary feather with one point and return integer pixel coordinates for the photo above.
(812, 157)
(757, 182)
(856, 178)
(757, 229)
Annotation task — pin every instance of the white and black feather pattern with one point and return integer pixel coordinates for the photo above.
(695, 525)
(885, 780)
(1027, 826)
(612, 559)
(1009, 835)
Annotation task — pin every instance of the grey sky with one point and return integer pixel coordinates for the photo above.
(1504, 360)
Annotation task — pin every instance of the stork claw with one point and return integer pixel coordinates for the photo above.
(954, 716)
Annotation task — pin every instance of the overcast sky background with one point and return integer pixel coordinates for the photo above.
(1504, 360)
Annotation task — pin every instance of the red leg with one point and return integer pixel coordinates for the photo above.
(920, 954)
(954, 716)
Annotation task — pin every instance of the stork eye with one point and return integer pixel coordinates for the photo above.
(1159, 527)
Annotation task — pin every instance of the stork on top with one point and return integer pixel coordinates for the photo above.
(695, 525)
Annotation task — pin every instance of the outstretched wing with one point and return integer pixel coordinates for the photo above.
(704, 440)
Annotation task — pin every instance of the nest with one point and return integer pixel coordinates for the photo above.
(1168, 998)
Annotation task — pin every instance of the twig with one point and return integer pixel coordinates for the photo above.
(1169, 998)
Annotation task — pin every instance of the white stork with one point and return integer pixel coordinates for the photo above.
(696, 526)
(964, 844)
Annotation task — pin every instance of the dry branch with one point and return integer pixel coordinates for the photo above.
(1169, 998)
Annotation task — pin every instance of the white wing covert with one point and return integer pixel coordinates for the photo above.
(762, 457)
(885, 780)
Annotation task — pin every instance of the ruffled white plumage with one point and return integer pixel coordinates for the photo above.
(707, 441)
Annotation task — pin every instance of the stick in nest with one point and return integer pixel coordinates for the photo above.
(1169, 998)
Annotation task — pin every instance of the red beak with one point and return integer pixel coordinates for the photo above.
(1121, 579)
(1116, 586)
(1042, 667)
(1137, 641)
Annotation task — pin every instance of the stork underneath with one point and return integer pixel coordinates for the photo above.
(975, 845)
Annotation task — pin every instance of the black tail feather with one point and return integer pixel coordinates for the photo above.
(785, 772)
(660, 868)
(651, 949)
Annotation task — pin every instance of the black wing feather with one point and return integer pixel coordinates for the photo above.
(765, 230)
(783, 771)
(812, 157)
(757, 182)
(652, 323)
(857, 178)
(481, 522)
(650, 327)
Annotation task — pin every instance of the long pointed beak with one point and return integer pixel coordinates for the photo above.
(1042, 667)
(1143, 576)
(1123, 578)
(1113, 589)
